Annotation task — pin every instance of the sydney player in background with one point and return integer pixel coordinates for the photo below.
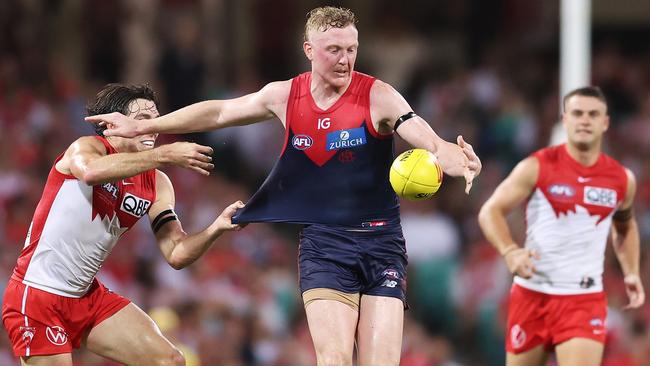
(575, 194)
(96, 191)
(332, 176)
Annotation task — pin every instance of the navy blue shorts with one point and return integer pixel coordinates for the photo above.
(368, 263)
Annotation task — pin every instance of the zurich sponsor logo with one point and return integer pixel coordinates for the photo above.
(561, 190)
(302, 142)
(345, 139)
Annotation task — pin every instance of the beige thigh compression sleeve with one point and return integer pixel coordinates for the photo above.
(352, 300)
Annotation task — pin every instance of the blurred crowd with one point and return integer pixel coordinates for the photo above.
(488, 71)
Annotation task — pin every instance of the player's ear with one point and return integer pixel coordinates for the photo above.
(308, 49)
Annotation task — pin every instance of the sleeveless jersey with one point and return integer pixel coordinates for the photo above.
(568, 219)
(334, 165)
(75, 227)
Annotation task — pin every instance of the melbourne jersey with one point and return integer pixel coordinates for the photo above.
(75, 227)
(334, 165)
(568, 218)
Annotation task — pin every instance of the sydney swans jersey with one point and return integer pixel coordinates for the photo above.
(75, 227)
(568, 218)
(334, 166)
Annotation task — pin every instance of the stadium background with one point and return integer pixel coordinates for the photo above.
(488, 69)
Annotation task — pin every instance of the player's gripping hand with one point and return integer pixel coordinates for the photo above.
(224, 221)
(116, 124)
(520, 261)
(187, 155)
(474, 165)
(634, 289)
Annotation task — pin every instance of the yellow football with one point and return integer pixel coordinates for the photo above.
(416, 175)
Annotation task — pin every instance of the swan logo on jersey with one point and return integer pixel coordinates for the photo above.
(135, 205)
(561, 191)
(598, 196)
(346, 139)
(302, 142)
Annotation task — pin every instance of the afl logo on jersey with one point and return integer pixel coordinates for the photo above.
(135, 205)
(302, 142)
(561, 191)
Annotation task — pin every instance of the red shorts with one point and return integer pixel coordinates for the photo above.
(536, 318)
(42, 323)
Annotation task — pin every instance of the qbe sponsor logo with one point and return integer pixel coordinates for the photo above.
(134, 205)
(302, 142)
(345, 139)
(599, 196)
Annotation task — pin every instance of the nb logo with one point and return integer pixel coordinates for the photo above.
(134, 205)
(56, 335)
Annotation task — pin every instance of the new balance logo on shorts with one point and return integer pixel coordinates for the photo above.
(392, 276)
(56, 335)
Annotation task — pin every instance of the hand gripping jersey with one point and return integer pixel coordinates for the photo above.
(334, 166)
(568, 218)
(75, 227)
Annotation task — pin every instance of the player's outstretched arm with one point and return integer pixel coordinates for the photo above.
(493, 216)
(179, 248)
(87, 160)
(387, 106)
(626, 242)
(209, 115)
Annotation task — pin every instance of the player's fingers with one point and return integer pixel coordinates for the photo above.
(206, 150)
(460, 141)
(533, 254)
(202, 165)
(199, 170)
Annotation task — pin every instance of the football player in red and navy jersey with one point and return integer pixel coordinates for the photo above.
(575, 194)
(332, 176)
(95, 192)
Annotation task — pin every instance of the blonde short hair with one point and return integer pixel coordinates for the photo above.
(326, 17)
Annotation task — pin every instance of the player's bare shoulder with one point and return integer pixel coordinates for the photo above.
(81, 146)
(386, 105)
(275, 96)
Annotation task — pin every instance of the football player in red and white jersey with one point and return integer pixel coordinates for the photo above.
(576, 195)
(97, 190)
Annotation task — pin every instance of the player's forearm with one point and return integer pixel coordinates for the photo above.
(113, 167)
(191, 247)
(202, 116)
(494, 225)
(626, 242)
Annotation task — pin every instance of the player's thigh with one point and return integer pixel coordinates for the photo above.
(579, 351)
(332, 325)
(536, 356)
(131, 337)
(381, 322)
(63, 359)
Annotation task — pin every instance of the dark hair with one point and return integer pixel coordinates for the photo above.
(586, 91)
(116, 98)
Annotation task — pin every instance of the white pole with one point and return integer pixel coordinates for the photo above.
(575, 52)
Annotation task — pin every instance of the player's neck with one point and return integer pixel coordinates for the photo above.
(120, 145)
(324, 93)
(587, 157)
